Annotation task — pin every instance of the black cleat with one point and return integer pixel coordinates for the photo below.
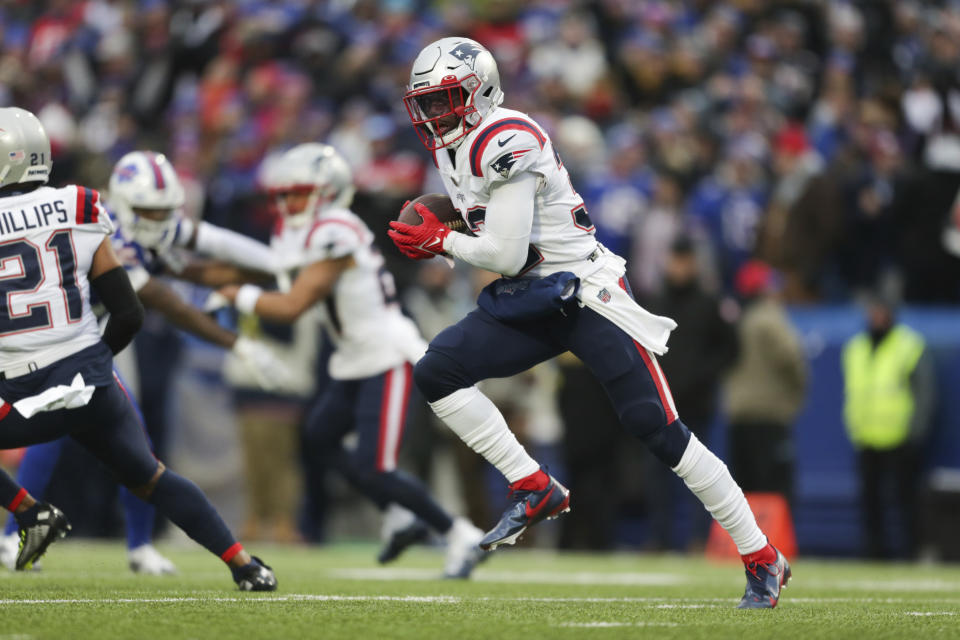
(255, 576)
(40, 526)
(401, 539)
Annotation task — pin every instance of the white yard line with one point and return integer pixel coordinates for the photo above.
(929, 613)
(633, 579)
(526, 577)
(654, 601)
(252, 598)
(608, 625)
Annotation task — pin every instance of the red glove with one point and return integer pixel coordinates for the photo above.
(421, 241)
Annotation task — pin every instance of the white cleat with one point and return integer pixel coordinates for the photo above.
(463, 549)
(146, 560)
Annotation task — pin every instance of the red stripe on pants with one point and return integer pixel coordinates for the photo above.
(384, 419)
(392, 422)
(663, 389)
(659, 380)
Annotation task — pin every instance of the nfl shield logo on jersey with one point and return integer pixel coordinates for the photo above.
(504, 163)
(604, 296)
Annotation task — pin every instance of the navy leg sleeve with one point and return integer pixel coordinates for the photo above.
(11, 493)
(480, 347)
(187, 507)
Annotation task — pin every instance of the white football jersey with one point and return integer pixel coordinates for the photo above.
(47, 241)
(361, 315)
(507, 143)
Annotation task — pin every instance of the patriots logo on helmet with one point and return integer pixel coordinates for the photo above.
(467, 52)
(126, 172)
(504, 163)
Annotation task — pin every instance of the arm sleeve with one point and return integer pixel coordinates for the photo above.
(234, 248)
(126, 313)
(503, 245)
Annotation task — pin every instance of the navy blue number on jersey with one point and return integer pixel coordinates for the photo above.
(475, 218)
(30, 279)
(387, 286)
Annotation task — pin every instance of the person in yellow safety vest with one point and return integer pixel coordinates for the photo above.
(889, 395)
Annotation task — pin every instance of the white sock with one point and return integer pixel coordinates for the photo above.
(472, 416)
(708, 478)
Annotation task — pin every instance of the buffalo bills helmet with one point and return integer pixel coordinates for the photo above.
(144, 195)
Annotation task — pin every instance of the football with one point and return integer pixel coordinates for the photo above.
(441, 206)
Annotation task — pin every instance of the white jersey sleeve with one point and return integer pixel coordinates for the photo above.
(89, 215)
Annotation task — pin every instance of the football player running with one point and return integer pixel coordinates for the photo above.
(56, 370)
(145, 194)
(341, 274)
(561, 291)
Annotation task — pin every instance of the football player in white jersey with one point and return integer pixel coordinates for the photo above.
(56, 370)
(561, 291)
(145, 194)
(341, 274)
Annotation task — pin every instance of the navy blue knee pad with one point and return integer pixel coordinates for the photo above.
(438, 375)
(668, 442)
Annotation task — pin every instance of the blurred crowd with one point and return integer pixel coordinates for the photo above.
(818, 138)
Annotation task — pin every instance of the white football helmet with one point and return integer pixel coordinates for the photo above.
(454, 85)
(146, 180)
(312, 168)
(24, 148)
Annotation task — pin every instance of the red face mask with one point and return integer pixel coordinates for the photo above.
(438, 110)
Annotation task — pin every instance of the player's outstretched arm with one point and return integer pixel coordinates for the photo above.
(313, 284)
(232, 247)
(157, 295)
(110, 282)
(269, 373)
(215, 273)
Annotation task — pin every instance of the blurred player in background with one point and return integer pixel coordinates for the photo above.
(145, 195)
(341, 273)
(56, 370)
(563, 291)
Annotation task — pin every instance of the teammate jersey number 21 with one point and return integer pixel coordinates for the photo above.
(22, 272)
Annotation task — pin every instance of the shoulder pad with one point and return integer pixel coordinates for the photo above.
(502, 145)
(335, 237)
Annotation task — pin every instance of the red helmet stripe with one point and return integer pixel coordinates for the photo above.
(157, 174)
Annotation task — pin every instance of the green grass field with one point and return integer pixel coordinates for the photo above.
(86, 591)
